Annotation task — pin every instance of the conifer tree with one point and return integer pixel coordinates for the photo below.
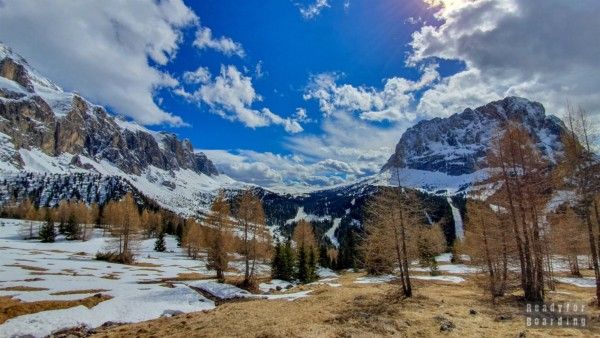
(159, 244)
(302, 270)
(312, 266)
(255, 241)
(219, 236)
(287, 262)
(324, 259)
(71, 229)
(47, 232)
(276, 262)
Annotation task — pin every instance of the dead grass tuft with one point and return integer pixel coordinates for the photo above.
(23, 288)
(28, 267)
(78, 292)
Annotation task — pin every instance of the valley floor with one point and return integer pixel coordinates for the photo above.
(49, 287)
(364, 310)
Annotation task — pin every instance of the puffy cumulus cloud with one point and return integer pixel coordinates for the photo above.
(200, 75)
(280, 171)
(205, 40)
(231, 95)
(392, 103)
(314, 9)
(103, 51)
(348, 144)
(545, 50)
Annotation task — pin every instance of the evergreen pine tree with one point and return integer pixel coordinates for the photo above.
(311, 267)
(276, 262)
(302, 273)
(287, 262)
(160, 245)
(324, 260)
(179, 231)
(47, 232)
(72, 228)
(62, 227)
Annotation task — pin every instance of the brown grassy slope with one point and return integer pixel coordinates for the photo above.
(355, 310)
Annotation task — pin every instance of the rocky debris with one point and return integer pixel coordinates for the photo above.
(446, 325)
(74, 332)
(472, 312)
(503, 317)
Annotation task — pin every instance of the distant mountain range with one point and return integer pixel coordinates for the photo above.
(57, 145)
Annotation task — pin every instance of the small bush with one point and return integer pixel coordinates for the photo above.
(114, 257)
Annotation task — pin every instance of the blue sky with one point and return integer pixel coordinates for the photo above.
(365, 42)
(307, 92)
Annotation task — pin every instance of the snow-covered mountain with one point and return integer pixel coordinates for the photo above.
(50, 136)
(57, 145)
(445, 155)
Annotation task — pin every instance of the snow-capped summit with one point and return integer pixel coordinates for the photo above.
(38, 114)
(89, 153)
(456, 145)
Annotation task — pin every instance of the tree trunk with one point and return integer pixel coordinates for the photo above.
(594, 253)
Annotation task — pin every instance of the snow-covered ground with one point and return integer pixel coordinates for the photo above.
(451, 279)
(66, 266)
(582, 282)
(220, 290)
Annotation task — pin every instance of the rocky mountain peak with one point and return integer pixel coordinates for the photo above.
(37, 114)
(455, 145)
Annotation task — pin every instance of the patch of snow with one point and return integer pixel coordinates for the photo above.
(289, 296)
(375, 279)
(331, 232)
(451, 279)
(220, 290)
(582, 282)
(326, 273)
(273, 284)
(301, 215)
(451, 268)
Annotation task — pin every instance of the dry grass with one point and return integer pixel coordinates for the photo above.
(146, 265)
(28, 267)
(78, 292)
(11, 307)
(181, 277)
(23, 288)
(112, 276)
(359, 310)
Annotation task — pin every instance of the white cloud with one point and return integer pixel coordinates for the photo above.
(275, 171)
(231, 95)
(392, 103)
(101, 49)
(204, 39)
(200, 75)
(259, 72)
(314, 9)
(545, 50)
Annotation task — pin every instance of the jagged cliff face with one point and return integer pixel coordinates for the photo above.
(456, 145)
(56, 145)
(36, 114)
